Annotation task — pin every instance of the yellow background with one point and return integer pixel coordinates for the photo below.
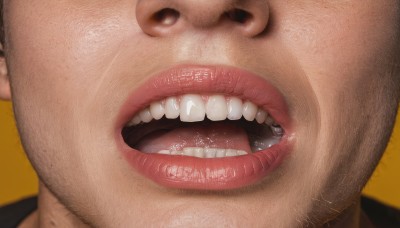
(17, 178)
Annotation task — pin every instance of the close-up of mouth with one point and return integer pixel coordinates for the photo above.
(201, 113)
(205, 127)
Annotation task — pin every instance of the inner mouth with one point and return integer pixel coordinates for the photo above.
(202, 126)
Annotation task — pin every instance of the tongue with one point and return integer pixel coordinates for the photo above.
(217, 135)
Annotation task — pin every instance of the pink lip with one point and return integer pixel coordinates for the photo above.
(185, 172)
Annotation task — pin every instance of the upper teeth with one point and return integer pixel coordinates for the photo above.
(193, 108)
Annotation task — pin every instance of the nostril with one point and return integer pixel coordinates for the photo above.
(239, 16)
(159, 18)
(166, 16)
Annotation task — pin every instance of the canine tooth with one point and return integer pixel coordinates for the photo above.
(192, 108)
(164, 152)
(171, 108)
(134, 121)
(261, 116)
(216, 108)
(249, 111)
(231, 153)
(241, 152)
(145, 115)
(157, 110)
(210, 152)
(220, 153)
(235, 107)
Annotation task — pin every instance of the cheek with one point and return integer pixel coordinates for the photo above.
(56, 62)
(347, 56)
(59, 57)
(64, 54)
(352, 76)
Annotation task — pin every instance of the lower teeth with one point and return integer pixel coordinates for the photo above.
(204, 152)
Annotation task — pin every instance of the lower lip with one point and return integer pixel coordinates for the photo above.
(184, 172)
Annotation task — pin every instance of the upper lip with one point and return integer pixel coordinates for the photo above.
(227, 80)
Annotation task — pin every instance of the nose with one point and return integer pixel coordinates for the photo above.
(165, 17)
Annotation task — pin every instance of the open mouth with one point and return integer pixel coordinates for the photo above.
(202, 126)
(205, 128)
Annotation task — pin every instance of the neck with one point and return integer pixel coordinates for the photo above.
(51, 213)
(352, 217)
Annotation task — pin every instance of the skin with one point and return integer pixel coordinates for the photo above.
(69, 66)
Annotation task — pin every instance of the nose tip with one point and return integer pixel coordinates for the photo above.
(166, 17)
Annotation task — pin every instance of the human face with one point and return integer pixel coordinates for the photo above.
(76, 66)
